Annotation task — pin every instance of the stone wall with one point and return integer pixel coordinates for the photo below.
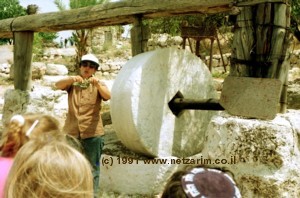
(262, 156)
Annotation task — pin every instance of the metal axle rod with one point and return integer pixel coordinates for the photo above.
(179, 103)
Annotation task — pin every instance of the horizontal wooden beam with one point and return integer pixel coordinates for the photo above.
(116, 13)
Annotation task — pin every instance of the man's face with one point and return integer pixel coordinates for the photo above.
(87, 69)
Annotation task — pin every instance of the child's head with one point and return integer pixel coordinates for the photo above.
(20, 128)
(200, 182)
(49, 168)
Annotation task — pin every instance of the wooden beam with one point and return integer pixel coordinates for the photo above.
(116, 13)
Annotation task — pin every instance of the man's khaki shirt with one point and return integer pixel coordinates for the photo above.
(84, 118)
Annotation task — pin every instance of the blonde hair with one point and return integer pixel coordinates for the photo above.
(49, 168)
(15, 135)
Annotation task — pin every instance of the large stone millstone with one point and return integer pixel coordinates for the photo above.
(139, 105)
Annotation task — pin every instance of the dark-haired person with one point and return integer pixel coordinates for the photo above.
(198, 182)
(85, 94)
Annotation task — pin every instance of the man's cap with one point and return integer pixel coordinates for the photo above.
(204, 182)
(91, 58)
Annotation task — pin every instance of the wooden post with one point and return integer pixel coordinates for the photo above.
(139, 37)
(242, 45)
(23, 43)
(284, 39)
(267, 56)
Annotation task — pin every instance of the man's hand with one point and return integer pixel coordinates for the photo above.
(94, 81)
(77, 78)
(80, 82)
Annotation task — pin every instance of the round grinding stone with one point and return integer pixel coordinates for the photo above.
(141, 92)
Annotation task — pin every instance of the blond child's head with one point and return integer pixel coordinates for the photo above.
(49, 168)
(22, 127)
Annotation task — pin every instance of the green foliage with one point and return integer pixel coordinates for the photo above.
(295, 18)
(10, 9)
(41, 40)
(60, 5)
(37, 46)
(79, 3)
(80, 37)
(48, 37)
(172, 25)
(296, 9)
(4, 41)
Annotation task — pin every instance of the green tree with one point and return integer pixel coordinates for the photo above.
(42, 40)
(295, 18)
(48, 37)
(80, 37)
(10, 9)
(296, 9)
(172, 25)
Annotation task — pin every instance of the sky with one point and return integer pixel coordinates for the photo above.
(44, 5)
(47, 6)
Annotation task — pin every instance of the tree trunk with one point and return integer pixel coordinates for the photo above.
(80, 39)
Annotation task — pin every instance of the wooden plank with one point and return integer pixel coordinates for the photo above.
(116, 13)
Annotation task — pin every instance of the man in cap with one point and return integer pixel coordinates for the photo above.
(85, 94)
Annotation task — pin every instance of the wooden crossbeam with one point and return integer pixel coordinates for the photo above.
(117, 13)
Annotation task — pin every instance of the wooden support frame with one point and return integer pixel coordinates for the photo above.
(117, 13)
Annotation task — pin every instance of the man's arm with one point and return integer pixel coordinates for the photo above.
(63, 84)
(101, 87)
(103, 90)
